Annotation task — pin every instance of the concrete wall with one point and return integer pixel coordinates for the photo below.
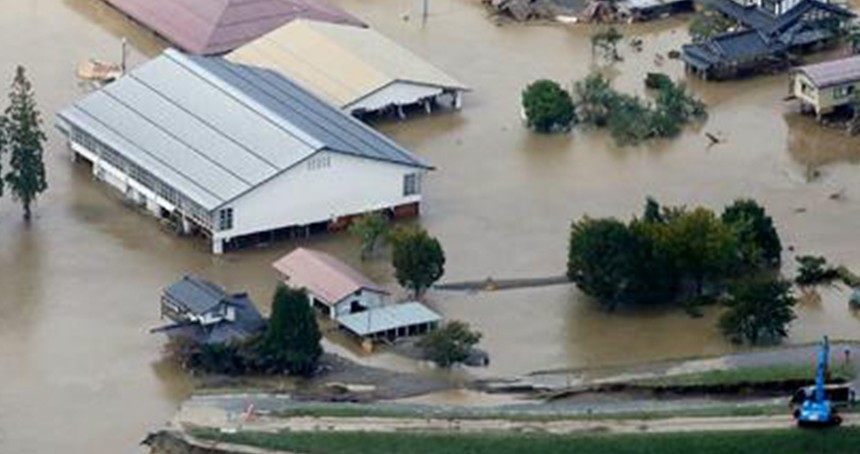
(320, 189)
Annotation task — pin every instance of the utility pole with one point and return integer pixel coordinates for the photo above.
(425, 11)
(124, 54)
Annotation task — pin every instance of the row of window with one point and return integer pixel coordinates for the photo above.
(412, 184)
(143, 176)
(322, 161)
(844, 91)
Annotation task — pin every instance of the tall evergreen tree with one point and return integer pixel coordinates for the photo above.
(291, 342)
(24, 141)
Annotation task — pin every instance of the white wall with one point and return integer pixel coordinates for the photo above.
(347, 186)
(397, 93)
(366, 298)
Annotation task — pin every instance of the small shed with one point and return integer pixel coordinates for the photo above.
(392, 322)
(827, 86)
(206, 314)
(334, 288)
(356, 69)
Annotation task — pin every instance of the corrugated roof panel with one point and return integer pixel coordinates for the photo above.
(128, 123)
(833, 72)
(184, 126)
(261, 136)
(386, 318)
(132, 152)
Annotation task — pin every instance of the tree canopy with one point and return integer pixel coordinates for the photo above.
(291, 342)
(418, 259)
(758, 311)
(759, 240)
(23, 139)
(371, 229)
(450, 344)
(548, 107)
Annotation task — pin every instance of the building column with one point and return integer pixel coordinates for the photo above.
(185, 225)
(458, 100)
(217, 246)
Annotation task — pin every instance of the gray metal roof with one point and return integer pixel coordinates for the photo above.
(196, 295)
(384, 318)
(215, 130)
(833, 72)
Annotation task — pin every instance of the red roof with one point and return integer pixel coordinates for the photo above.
(211, 27)
(323, 275)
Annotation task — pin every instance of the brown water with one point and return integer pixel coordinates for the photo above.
(78, 289)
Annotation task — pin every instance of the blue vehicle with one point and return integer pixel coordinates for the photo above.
(817, 410)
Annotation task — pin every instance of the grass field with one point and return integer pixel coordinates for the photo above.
(748, 375)
(796, 441)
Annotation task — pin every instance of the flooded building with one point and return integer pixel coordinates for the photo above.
(769, 33)
(357, 69)
(352, 300)
(238, 154)
(206, 314)
(828, 86)
(214, 27)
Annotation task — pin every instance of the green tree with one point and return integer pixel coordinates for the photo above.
(702, 246)
(291, 342)
(758, 311)
(595, 97)
(450, 344)
(759, 241)
(371, 229)
(602, 259)
(24, 140)
(812, 270)
(548, 107)
(418, 259)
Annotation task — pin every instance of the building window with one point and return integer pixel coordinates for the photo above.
(225, 219)
(319, 162)
(412, 184)
(843, 92)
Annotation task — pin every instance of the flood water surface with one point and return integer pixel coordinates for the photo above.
(79, 287)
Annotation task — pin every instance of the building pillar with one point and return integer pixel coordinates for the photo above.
(217, 246)
(458, 100)
(427, 106)
(400, 113)
(185, 224)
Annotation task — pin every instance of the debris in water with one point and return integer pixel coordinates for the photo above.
(99, 71)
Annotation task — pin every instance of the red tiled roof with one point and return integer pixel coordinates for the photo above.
(211, 27)
(323, 275)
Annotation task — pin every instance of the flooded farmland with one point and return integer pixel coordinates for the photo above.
(79, 287)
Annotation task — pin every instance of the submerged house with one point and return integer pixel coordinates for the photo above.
(238, 154)
(352, 300)
(768, 33)
(206, 314)
(825, 87)
(215, 27)
(358, 70)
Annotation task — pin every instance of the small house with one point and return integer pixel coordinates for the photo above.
(352, 300)
(828, 86)
(205, 313)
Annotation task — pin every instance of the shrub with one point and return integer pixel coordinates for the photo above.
(548, 107)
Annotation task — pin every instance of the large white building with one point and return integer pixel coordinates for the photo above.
(238, 153)
(357, 69)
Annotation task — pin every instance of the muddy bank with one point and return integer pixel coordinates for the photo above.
(175, 442)
(339, 380)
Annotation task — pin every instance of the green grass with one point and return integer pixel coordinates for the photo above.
(789, 441)
(747, 375)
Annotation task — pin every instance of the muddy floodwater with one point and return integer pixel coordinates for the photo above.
(79, 287)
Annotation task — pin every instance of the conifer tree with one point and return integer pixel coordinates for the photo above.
(24, 141)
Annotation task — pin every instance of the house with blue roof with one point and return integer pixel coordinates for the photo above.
(237, 153)
(767, 36)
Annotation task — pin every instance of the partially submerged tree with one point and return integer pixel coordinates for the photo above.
(813, 270)
(606, 42)
(759, 242)
(418, 259)
(24, 141)
(291, 342)
(758, 311)
(371, 229)
(548, 107)
(450, 344)
(601, 259)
